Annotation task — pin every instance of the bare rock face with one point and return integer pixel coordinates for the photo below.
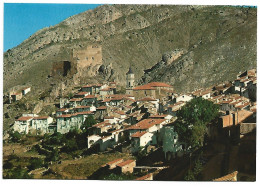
(38, 107)
(200, 45)
(171, 56)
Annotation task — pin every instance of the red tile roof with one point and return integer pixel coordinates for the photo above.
(64, 116)
(41, 117)
(144, 87)
(24, 118)
(109, 117)
(82, 93)
(90, 97)
(147, 99)
(120, 112)
(101, 124)
(158, 116)
(144, 177)
(75, 99)
(158, 84)
(102, 108)
(106, 89)
(146, 124)
(62, 109)
(82, 107)
(114, 161)
(89, 85)
(86, 112)
(125, 163)
(138, 134)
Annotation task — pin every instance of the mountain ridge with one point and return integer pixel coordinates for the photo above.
(139, 35)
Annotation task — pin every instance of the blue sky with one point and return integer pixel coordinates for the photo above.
(21, 20)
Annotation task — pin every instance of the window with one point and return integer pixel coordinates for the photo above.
(92, 58)
(129, 84)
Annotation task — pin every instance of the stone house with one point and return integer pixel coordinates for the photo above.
(172, 109)
(106, 91)
(93, 88)
(112, 164)
(140, 139)
(102, 127)
(75, 102)
(167, 117)
(89, 100)
(62, 111)
(106, 142)
(144, 91)
(41, 124)
(148, 125)
(102, 110)
(111, 119)
(23, 124)
(93, 139)
(234, 118)
(63, 123)
(84, 108)
(16, 96)
(182, 98)
(126, 166)
(81, 94)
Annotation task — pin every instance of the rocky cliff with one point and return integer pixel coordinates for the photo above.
(200, 45)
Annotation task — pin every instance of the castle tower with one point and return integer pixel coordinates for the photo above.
(130, 81)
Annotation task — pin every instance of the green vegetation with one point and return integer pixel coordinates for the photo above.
(89, 122)
(17, 173)
(113, 176)
(195, 173)
(192, 121)
(15, 136)
(35, 163)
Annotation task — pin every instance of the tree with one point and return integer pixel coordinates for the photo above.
(189, 176)
(71, 145)
(35, 163)
(15, 136)
(89, 122)
(192, 121)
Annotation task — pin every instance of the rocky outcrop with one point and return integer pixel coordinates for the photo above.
(201, 45)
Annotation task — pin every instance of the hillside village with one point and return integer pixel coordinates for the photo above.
(142, 118)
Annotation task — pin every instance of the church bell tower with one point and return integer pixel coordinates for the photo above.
(130, 81)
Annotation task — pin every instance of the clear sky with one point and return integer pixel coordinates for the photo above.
(21, 20)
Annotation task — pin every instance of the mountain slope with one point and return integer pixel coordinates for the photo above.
(216, 43)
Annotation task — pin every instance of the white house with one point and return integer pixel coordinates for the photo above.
(75, 102)
(22, 124)
(183, 98)
(85, 108)
(106, 142)
(62, 111)
(140, 139)
(89, 100)
(26, 90)
(92, 140)
(63, 123)
(111, 119)
(41, 123)
(148, 125)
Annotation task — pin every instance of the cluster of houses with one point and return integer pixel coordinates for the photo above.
(143, 114)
